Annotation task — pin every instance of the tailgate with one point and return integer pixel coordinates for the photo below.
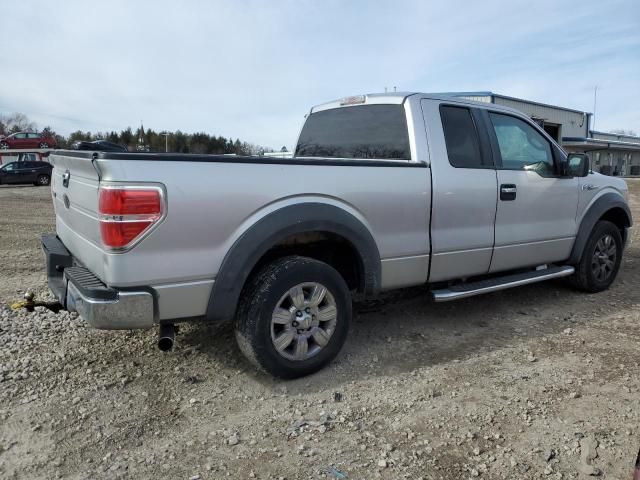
(74, 186)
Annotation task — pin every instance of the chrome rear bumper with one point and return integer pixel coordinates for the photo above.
(79, 290)
(128, 311)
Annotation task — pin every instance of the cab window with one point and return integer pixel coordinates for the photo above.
(365, 132)
(522, 147)
(461, 138)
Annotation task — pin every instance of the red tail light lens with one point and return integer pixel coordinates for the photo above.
(127, 213)
(129, 202)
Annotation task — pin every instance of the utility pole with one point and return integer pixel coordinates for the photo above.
(595, 96)
(166, 141)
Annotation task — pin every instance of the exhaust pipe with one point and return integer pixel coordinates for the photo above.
(167, 336)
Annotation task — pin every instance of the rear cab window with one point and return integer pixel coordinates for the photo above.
(358, 132)
(461, 138)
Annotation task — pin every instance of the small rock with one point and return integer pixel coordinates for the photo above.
(382, 463)
(233, 440)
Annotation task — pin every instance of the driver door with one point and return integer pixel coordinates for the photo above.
(536, 211)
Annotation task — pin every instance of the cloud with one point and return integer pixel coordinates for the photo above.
(252, 69)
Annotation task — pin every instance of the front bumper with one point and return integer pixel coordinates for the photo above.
(77, 289)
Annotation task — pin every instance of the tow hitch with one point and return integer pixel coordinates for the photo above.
(29, 303)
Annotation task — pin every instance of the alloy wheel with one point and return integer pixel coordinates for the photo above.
(604, 257)
(303, 321)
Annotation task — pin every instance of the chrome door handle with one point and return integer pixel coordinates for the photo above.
(589, 186)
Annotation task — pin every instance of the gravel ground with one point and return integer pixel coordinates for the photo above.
(536, 382)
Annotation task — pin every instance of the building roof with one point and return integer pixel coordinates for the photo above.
(515, 99)
(601, 143)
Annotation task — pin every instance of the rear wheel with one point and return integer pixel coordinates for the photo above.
(43, 180)
(44, 145)
(600, 261)
(293, 317)
(4, 145)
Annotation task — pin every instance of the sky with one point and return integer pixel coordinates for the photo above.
(252, 69)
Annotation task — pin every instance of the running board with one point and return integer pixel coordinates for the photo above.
(465, 290)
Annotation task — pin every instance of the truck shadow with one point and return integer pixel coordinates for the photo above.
(404, 330)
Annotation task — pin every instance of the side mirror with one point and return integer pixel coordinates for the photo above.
(578, 165)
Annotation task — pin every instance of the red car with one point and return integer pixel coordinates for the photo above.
(27, 140)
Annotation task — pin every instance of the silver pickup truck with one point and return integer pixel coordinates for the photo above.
(384, 191)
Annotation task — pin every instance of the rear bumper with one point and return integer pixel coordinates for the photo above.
(77, 289)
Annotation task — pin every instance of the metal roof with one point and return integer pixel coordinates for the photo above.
(491, 94)
(599, 142)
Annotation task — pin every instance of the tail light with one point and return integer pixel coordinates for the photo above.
(128, 213)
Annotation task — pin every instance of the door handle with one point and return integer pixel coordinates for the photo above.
(508, 191)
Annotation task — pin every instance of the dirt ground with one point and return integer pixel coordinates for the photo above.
(535, 382)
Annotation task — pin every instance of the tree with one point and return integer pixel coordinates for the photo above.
(18, 122)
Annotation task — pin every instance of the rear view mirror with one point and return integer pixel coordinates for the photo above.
(578, 164)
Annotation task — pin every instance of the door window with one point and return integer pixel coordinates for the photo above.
(522, 147)
(11, 167)
(461, 137)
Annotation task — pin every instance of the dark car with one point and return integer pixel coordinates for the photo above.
(99, 146)
(27, 140)
(38, 173)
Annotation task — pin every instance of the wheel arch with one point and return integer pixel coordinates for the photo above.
(269, 231)
(611, 207)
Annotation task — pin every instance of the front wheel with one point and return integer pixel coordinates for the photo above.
(600, 261)
(293, 317)
(4, 146)
(44, 145)
(43, 180)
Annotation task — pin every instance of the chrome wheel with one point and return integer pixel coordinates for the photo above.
(44, 145)
(604, 258)
(43, 180)
(4, 146)
(303, 321)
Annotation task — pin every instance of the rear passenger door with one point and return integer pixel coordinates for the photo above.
(464, 191)
(536, 214)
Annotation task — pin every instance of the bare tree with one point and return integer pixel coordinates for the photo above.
(18, 122)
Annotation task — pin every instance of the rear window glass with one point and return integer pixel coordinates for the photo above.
(367, 131)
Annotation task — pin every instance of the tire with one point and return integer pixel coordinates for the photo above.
(601, 257)
(43, 180)
(268, 313)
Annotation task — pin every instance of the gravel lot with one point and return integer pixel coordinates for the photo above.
(537, 382)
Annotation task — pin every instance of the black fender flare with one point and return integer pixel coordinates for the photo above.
(602, 205)
(247, 250)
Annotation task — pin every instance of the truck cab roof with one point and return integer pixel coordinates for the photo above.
(399, 98)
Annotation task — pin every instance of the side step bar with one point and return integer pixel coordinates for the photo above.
(499, 283)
